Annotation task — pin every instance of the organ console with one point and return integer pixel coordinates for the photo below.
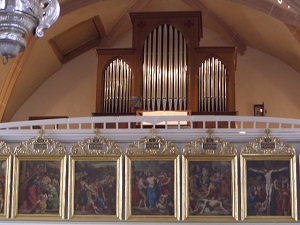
(166, 69)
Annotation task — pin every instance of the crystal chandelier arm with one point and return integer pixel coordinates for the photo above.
(51, 10)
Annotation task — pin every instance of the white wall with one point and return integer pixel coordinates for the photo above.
(259, 78)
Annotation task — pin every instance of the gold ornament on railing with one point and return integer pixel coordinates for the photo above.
(267, 145)
(209, 145)
(96, 146)
(40, 146)
(152, 145)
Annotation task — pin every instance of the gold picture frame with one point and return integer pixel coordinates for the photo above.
(152, 180)
(95, 180)
(268, 181)
(39, 177)
(5, 179)
(209, 181)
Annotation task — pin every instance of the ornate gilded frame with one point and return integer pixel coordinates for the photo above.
(35, 198)
(95, 170)
(209, 180)
(159, 160)
(5, 179)
(268, 180)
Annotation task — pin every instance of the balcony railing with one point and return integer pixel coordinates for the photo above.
(132, 127)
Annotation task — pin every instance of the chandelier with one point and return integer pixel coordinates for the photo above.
(20, 17)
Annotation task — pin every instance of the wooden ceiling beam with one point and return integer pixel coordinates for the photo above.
(69, 6)
(13, 74)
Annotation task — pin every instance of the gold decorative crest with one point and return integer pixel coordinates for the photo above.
(40, 146)
(152, 145)
(267, 145)
(5, 148)
(209, 145)
(96, 146)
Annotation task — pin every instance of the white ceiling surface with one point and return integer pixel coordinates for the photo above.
(261, 24)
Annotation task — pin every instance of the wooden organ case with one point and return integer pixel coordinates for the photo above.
(166, 69)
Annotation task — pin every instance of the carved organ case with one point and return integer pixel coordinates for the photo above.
(166, 69)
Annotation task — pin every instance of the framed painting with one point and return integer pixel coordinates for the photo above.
(5, 179)
(268, 181)
(39, 171)
(95, 180)
(209, 181)
(152, 180)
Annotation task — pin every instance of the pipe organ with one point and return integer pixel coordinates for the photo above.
(166, 69)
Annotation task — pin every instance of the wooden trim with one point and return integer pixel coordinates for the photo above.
(114, 51)
(96, 36)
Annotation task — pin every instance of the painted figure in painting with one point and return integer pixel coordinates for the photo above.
(209, 186)
(209, 205)
(1, 196)
(141, 187)
(95, 188)
(2, 185)
(36, 192)
(152, 188)
(268, 188)
(32, 193)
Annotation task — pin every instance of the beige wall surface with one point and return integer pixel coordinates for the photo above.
(262, 78)
(69, 92)
(259, 78)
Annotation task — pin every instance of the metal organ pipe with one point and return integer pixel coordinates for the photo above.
(148, 85)
(165, 66)
(153, 70)
(159, 69)
(180, 73)
(170, 68)
(184, 75)
(129, 75)
(175, 73)
(117, 86)
(121, 84)
(144, 78)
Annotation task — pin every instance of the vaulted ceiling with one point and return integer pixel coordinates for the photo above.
(271, 26)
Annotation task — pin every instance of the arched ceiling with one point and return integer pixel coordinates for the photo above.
(271, 26)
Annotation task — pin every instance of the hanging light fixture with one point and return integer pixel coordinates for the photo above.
(20, 17)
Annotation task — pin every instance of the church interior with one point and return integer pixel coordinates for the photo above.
(186, 86)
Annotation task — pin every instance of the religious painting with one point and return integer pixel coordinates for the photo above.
(39, 187)
(39, 180)
(268, 184)
(95, 180)
(268, 181)
(5, 179)
(209, 180)
(152, 180)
